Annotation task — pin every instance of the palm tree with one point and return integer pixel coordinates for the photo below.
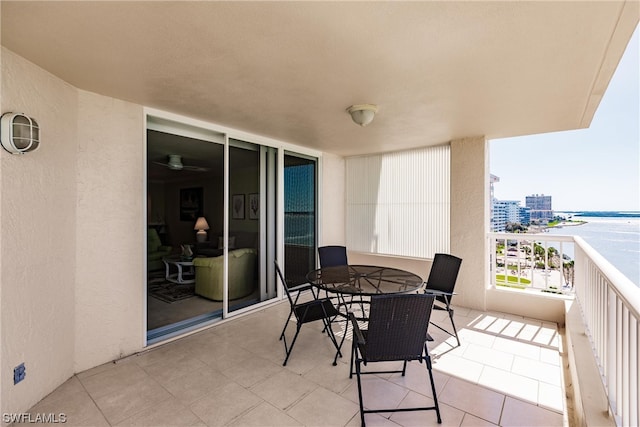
(568, 271)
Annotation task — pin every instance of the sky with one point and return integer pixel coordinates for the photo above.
(594, 169)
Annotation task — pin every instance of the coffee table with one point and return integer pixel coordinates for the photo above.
(182, 276)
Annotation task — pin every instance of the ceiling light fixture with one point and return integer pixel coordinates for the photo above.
(175, 162)
(362, 114)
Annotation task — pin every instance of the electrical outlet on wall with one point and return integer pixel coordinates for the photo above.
(19, 372)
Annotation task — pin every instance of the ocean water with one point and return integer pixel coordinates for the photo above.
(617, 239)
(299, 228)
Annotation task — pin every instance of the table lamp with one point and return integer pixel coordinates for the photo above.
(201, 226)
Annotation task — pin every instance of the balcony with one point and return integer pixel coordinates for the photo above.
(509, 370)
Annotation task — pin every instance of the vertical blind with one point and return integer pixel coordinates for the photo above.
(398, 203)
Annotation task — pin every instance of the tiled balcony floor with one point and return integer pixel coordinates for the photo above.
(507, 372)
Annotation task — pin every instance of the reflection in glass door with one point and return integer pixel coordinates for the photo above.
(300, 217)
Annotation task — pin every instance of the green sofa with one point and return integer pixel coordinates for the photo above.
(242, 275)
(155, 250)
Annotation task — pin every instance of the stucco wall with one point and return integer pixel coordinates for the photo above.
(534, 305)
(332, 199)
(469, 218)
(71, 234)
(109, 311)
(37, 236)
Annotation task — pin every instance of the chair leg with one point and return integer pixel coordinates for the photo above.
(353, 355)
(332, 298)
(288, 351)
(450, 312)
(427, 359)
(346, 329)
(455, 331)
(291, 312)
(358, 372)
(332, 336)
(285, 325)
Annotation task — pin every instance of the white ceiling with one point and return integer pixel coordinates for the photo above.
(289, 70)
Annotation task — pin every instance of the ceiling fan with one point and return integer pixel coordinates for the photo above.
(175, 163)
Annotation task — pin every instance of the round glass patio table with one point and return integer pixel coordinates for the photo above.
(365, 280)
(359, 282)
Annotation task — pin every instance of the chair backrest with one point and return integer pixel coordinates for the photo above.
(444, 273)
(284, 284)
(332, 256)
(397, 327)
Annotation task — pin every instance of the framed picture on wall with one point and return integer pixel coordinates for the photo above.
(191, 206)
(254, 206)
(237, 206)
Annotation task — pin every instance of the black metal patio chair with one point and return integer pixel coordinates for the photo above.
(297, 289)
(306, 312)
(441, 283)
(336, 256)
(395, 332)
(332, 256)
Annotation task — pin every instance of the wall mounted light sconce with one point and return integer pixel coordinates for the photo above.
(19, 133)
(362, 114)
(201, 226)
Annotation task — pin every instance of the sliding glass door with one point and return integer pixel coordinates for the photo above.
(185, 202)
(251, 237)
(212, 224)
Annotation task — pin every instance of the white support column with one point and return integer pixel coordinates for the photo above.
(470, 218)
(331, 202)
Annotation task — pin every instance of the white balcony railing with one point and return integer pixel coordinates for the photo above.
(532, 262)
(610, 305)
(609, 302)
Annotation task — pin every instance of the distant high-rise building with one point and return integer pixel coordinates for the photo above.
(525, 216)
(540, 206)
(505, 211)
